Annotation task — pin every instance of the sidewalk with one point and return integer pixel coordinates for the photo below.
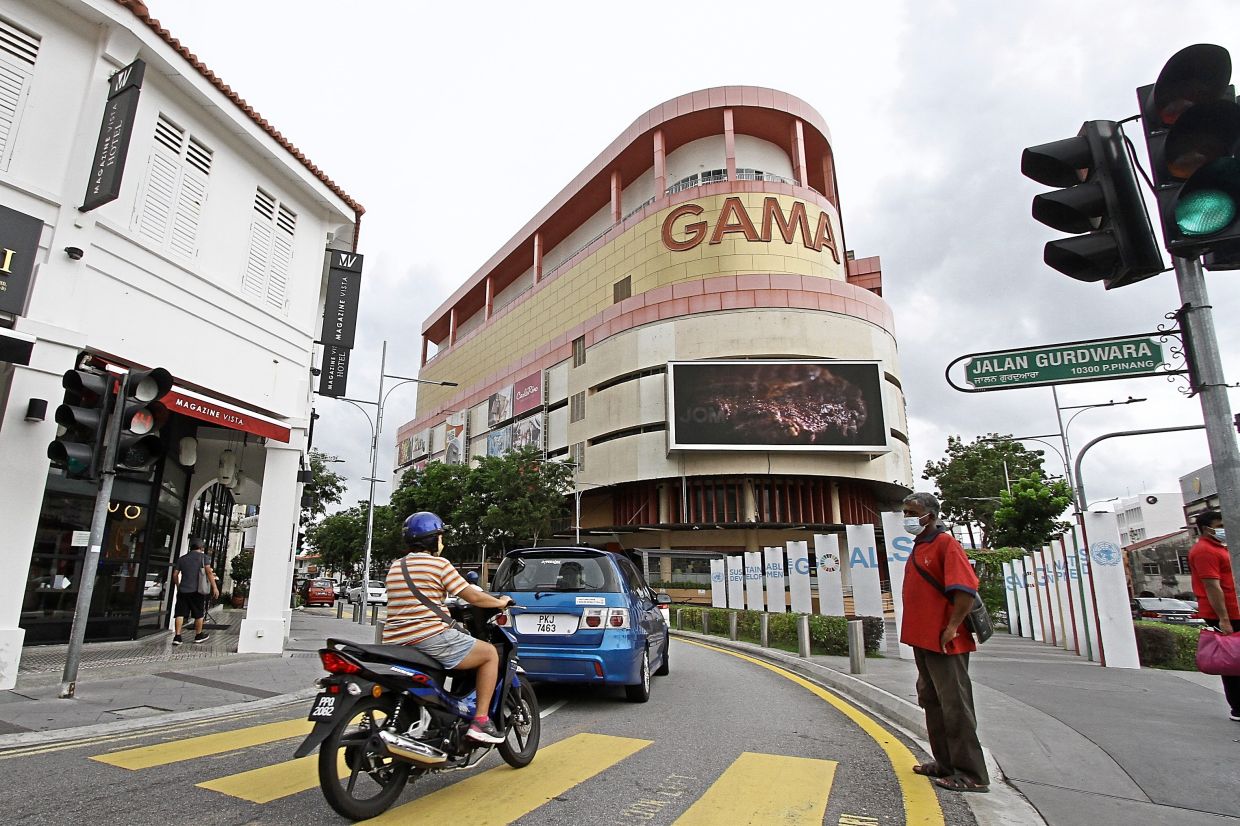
(1084, 744)
(119, 683)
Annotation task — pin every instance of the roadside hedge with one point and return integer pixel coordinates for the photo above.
(827, 635)
(1160, 645)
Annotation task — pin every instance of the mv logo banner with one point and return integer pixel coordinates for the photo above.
(344, 289)
(112, 146)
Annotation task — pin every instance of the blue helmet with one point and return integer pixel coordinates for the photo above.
(421, 528)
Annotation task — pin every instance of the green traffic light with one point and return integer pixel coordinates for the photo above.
(1204, 212)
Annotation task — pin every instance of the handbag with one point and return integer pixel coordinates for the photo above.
(430, 604)
(1218, 653)
(977, 622)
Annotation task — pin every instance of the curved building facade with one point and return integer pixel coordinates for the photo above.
(685, 323)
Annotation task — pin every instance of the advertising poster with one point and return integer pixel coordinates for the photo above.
(499, 408)
(830, 580)
(419, 443)
(776, 405)
(499, 441)
(454, 442)
(798, 578)
(527, 394)
(404, 452)
(528, 432)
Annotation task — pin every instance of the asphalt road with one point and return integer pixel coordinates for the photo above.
(721, 740)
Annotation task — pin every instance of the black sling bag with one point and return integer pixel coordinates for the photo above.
(977, 621)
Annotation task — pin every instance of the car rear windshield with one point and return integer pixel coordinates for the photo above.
(322, 583)
(556, 572)
(1163, 604)
(377, 584)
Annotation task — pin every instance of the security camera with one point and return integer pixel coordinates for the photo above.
(74, 252)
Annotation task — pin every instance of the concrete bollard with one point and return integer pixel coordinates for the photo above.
(379, 633)
(680, 619)
(732, 626)
(339, 608)
(803, 636)
(357, 612)
(705, 622)
(856, 647)
(374, 613)
(764, 629)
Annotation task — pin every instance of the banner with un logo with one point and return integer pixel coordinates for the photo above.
(718, 584)
(1106, 568)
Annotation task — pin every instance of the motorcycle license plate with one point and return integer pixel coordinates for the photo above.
(546, 623)
(324, 707)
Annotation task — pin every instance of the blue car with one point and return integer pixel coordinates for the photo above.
(586, 616)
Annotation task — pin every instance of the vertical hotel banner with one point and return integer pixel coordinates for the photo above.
(344, 289)
(112, 147)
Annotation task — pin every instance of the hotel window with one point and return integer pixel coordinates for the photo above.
(579, 351)
(622, 289)
(713, 176)
(170, 206)
(577, 407)
(272, 226)
(18, 51)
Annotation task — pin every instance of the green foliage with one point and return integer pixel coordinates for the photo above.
(340, 540)
(1027, 516)
(968, 481)
(242, 570)
(326, 488)
(989, 567)
(681, 586)
(1160, 645)
(828, 635)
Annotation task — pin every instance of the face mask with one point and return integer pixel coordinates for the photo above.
(1220, 534)
(912, 524)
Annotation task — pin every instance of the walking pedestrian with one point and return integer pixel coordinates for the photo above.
(194, 579)
(938, 594)
(1215, 587)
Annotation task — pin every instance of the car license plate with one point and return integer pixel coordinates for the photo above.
(324, 707)
(1174, 618)
(546, 623)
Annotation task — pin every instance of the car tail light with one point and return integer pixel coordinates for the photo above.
(1151, 614)
(618, 618)
(1196, 615)
(592, 618)
(335, 663)
(501, 618)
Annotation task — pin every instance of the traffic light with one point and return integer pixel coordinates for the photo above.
(1099, 201)
(138, 446)
(1192, 125)
(81, 421)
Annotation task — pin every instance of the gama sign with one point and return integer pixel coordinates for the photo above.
(735, 218)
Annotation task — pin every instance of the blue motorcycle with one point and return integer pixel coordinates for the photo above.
(389, 713)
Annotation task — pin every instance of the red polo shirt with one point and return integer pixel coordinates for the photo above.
(1209, 560)
(926, 609)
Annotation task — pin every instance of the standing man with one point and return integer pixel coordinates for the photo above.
(938, 594)
(194, 579)
(1215, 588)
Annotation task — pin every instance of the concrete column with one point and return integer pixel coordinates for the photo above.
(729, 144)
(828, 175)
(490, 298)
(265, 625)
(425, 346)
(665, 505)
(751, 503)
(617, 208)
(538, 256)
(452, 326)
(660, 165)
(836, 517)
(797, 140)
(23, 469)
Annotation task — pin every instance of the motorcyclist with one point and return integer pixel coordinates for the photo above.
(409, 622)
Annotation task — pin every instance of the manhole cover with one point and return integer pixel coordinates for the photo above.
(139, 711)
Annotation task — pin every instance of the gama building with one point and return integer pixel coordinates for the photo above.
(686, 323)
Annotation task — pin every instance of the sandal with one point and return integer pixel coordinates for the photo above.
(931, 769)
(959, 783)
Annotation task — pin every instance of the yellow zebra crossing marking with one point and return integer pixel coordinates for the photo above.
(508, 796)
(175, 751)
(765, 788)
(273, 782)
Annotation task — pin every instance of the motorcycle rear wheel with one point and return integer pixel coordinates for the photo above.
(524, 725)
(358, 781)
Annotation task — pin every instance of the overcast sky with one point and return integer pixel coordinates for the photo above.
(454, 123)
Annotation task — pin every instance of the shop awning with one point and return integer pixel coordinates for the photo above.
(188, 403)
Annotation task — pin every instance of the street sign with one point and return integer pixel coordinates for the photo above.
(1066, 363)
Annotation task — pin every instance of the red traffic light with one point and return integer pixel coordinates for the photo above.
(1193, 75)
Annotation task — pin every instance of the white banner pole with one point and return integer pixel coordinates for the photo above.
(776, 601)
(753, 581)
(830, 580)
(1119, 641)
(718, 584)
(898, 545)
(798, 578)
(863, 565)
(736, 582)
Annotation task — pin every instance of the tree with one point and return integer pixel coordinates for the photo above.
(1028, 516)
(326, 488)
(340, 540)
(989, 568)
(971, 478)
(242, 570)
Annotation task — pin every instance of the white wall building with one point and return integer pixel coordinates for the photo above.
(209, 263)
(1148, 515)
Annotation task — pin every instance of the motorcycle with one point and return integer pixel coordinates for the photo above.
(388, 714)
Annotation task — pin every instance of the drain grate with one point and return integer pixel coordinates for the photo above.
(137, 712)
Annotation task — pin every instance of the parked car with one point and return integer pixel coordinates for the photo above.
(154, 589)
(1165, 609)
(342, 588)
(377, 592)
(318, 592)
(587, 616)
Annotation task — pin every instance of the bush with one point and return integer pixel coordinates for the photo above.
(827, 635)
(680, 586)
(1166, 646)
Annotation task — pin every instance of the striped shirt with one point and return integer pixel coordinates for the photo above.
(408, 620)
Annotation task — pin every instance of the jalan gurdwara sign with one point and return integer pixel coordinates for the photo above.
(1096, 360)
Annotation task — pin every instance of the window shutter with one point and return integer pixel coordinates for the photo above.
(176, 189)
(254, 281)
(266, 274)
(281, 256)
(155, 214)
(18, 52)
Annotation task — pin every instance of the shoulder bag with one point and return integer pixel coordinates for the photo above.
(432, 606)
(1218, 653)
(977, 622)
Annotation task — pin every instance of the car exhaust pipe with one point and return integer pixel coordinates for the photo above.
(412, 750)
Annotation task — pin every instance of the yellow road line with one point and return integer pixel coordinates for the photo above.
(273, 782)
(921, 805)
(765, 788)
(145, 757)
(501, 795)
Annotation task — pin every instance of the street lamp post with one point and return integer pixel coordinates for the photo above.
(376, 427)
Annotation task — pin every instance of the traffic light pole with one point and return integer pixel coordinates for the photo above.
(90, 564)
(1207, 375)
